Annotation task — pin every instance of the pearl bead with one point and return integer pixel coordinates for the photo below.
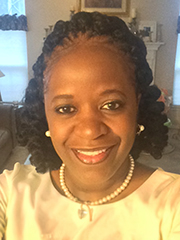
(116, 193)
(124, 184)
(112, 195)
(108, 197)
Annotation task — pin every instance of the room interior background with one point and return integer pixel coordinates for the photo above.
(42, 14)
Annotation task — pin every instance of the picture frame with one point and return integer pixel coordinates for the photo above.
(110, 7)
(149, 28)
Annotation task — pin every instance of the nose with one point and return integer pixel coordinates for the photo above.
(91, 127)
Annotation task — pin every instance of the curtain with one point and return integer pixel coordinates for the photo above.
(13, 22)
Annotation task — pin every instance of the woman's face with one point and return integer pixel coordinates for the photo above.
(91, 109)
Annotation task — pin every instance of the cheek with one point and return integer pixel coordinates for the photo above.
(128, 118)
(125, 126)
(59, 137)
(125, 129)
(60, 131)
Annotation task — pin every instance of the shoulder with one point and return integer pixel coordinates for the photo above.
(22, 181)
(161, 182)
(162, 188)
(164, 180)
(19, 170)
(150, 182)
(20, 174)
(167, 193)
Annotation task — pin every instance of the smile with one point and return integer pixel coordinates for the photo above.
(92, 156)
(91, 153)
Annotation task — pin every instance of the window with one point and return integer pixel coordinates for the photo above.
(12, 6)
(13, 57)
(176, 90)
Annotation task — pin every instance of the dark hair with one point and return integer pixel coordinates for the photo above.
(32, 122)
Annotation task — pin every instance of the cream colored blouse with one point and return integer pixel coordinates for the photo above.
(31, 208)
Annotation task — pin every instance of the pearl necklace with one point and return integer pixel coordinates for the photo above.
(104, 199)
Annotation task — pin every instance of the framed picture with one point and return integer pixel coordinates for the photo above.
(148, 30)
(112, 7)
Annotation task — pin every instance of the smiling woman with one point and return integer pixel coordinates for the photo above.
(88, 113)
(94, 118)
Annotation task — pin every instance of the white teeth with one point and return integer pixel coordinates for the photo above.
(91, 153)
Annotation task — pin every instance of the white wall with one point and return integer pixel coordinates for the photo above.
(164, 12)
(42, 13)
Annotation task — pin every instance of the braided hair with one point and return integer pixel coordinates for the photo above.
(32, 122)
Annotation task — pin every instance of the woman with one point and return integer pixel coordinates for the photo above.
(90, 96)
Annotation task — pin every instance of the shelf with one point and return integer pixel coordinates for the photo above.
(153, 45)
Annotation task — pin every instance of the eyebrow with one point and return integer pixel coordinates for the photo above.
(110, 91)
(62, 96)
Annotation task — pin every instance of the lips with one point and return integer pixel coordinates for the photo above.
(92, 156)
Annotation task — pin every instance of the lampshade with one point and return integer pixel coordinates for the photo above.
(1, 74)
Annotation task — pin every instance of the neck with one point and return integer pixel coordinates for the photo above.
(91, 192)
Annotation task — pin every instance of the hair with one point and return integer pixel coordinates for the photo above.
(31, 119)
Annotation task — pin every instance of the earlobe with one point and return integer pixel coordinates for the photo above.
(47, 133)
(140, 129)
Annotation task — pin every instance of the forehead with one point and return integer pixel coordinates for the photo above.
(95, 53)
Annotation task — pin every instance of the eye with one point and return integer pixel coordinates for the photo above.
(67, 109)
(113, 105)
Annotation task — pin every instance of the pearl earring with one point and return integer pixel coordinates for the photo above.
(141, 129)
(47, 133)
